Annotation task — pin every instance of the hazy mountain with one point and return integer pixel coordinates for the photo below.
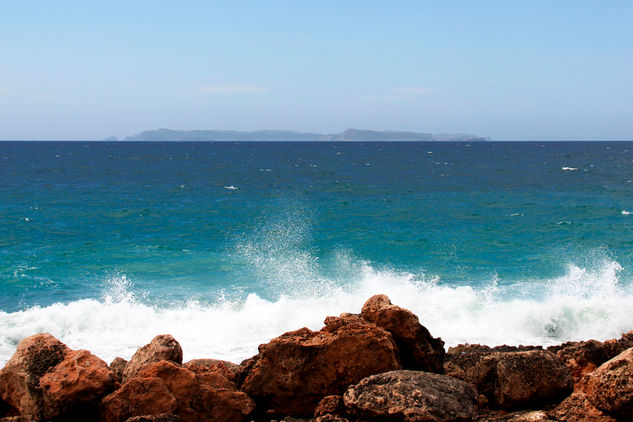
(286, 135)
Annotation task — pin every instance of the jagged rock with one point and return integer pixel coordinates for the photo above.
(520, 416)
(117, 366)
(418, 349)
(294, 371)
(412, 396)
(610, 387)
(20, 378)
(75, 386)
(331, 418)
(165, 417)
(332, 405)
(581, 357)
(227, 369)
(166, 388)
(162, 347)
(576, 408)
(616, 346)
(511, 379)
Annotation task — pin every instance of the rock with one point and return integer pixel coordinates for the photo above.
(332, 405)
(331, 418)
(610, 387)
(576, 408)
(581, 357)
(616, 346)
(418, 349)
(227, 369)
(20, 378)
(412, 396)
(520, 416)
(294, 371)
(165, 417)
(75, 386)
(162, 347)
(511, 379)
(117, 366)
(166, 388)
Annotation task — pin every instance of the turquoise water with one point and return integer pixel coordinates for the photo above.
(226, 245)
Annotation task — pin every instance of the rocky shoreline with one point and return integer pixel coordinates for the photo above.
(381, 364)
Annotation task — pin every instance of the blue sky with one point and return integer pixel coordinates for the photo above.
(505, 69)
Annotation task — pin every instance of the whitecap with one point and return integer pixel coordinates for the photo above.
(569, 168)
(231, 187)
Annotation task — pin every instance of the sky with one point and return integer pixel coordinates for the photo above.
(509, 70)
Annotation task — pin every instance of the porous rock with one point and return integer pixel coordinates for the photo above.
(294, 371)
(201, 366)
(117, 366)
(20, 377)
(74, 387)
(610, 387)
(406, 395)
(166, 388)
(577, 408)
(511, 380)
(165, 417)
(417, 348)
(162, 347)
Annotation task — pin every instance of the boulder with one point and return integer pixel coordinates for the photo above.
(117, 366)
(581, 357)
(418, 349)
(162, 347)
(412, 396)
(511, 380)
(294, 371)
(332, 405)
(227, 369)
(610, 387)
(74, 387)
(165, 417)
(20, 378)
(518, 416)
(577, 408)
(166, 388)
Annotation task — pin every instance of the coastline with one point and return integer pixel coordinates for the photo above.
(381, 363)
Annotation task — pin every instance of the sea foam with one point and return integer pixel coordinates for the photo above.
(584, 303)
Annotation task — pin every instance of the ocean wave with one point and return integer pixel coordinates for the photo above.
(584, 303)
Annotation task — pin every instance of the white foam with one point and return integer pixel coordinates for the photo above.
(625, 212)
(584, 303)
(569, 168)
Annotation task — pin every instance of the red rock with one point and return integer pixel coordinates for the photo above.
(227, 369)
(75, 385)
(166, 388)
(418, 349)
(511, 379)
(412, 396)
(581, 357)
(165, 417)
(519, 416)
(117, 366)
(20, 378)
(610, 387)
(576, 408)
(332, 405)
(294, 371)
(162, 347)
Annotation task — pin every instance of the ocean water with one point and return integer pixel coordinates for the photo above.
(227, 245)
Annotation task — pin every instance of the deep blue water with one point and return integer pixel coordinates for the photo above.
(164, 225)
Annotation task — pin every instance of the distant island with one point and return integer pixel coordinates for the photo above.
(285, 135)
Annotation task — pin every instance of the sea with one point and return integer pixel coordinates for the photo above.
(226, 245)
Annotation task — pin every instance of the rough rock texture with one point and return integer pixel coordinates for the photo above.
(162, 347)
(154, 418)
(610, 387)
(117, 366)
(294, 371)
(332, 405)
(20, 378)
(227, 369)
(520, 416)
(74, 387)
(418, 349)
(511, 379)
(576, 408)
(412, 396)
(166, 388)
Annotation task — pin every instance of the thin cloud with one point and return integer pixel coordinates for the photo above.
(231, 89)
(413, 90)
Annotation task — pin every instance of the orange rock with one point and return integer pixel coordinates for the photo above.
(610, 387)
(294, 371)
(418, 349)
(201, 366)
(162, 347)
(75, 385)
(576, 408)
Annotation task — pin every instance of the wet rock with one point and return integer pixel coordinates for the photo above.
(75, 386)
(418, 349)
(294, 371)
(227, 369)
(509, 380)
(577, 408)
(117, 366)
(412, 396)
(166, 388)
(20, 378)
(162, 347)
(610, 387)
